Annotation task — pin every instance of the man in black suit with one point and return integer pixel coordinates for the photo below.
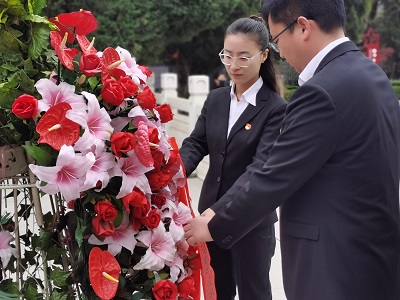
(334, 170)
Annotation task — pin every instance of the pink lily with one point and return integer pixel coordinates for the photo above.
(53, 94)
(179, 214)
(97, 124)
(176, 267)
(98, 175)
(132, 172)
(67, 176)
(5, 249)
(159, 243)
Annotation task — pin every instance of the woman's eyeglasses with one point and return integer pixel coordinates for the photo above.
(241, 61)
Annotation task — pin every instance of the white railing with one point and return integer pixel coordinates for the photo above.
(185, 110)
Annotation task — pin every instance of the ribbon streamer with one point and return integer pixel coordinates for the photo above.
(206, 274)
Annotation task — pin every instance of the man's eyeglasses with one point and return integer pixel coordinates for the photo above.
(274, 45)
(241, 61)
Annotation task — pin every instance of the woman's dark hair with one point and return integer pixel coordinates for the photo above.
(328, 14)
(255, 26)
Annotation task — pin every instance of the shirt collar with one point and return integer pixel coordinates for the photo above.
(250, 94)
(312, 66)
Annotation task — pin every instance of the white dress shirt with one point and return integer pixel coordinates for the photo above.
(309, 70)
(237, 107)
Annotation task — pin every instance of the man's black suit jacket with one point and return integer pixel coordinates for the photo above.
(334, 171)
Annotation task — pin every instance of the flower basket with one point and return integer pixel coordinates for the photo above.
(12, 161)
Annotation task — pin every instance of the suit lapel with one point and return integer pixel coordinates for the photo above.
(335, 52)
(222, 116)
(250, 112)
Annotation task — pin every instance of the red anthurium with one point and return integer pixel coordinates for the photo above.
(104, 272)
(110, 61)
(55, 129)
(65, 55)
(64, 29)
(142, 149)
(81, 22)
(86, 45)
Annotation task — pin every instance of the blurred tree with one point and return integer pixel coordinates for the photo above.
(386, 24)
(182, 33)
(359, 13)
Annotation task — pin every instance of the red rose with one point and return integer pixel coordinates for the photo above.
(101, 228)
(112, 92)
(122, 142)
(90, 64)
(186, 288)
(158, 200)
(165, 112)
(174, 163)
(138, 214)
(157, 179)
(153, 135)
(152, 219)
(146, 98)
(105, 210)
(25, 106)
(165, 290)
(158, 158)
(129, 88)
(136, 198)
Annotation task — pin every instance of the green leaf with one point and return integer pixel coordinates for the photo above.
(137, 296)
(9, 44)
(4, 295)
(59, 277)
(29, 69)
(14, 8)
(36, 6)
(8, 93)
(93, 82)
(30, 290)
(55, 252)
(41, 156)
(42, 242)
(5, 218)
(80, 229)
(10, 287)
(59, 296)
(26, 84)
(40, 39)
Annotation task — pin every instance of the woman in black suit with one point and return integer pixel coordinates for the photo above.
(228, 130)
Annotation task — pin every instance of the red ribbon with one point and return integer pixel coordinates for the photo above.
(206, 273)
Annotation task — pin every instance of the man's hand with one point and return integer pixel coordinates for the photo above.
(208, 213)
(196, 230)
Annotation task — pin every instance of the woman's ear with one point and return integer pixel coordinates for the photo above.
(265, 55)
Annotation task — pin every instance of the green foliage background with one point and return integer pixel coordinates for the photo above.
(156, 30)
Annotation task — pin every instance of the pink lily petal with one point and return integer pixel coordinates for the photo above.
(99, 172)
(133, 175)
(97, 125)
(53, 94)
(6, 251)
(68, 174)
(159, 243)
(176, 267)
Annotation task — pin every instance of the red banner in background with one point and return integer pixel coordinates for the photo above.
(205, 275)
